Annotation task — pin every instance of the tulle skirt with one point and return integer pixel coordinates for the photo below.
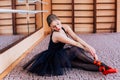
(50, 63)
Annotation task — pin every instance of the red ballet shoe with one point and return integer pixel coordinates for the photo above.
(108, 71)
(98, 63)
(101, 68)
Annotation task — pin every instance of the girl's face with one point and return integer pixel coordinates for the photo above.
(56, 25)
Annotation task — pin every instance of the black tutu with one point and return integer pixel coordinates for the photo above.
(53, 61)
(47, 63)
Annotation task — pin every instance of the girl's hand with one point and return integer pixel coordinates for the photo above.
(95, 57)
(92, 51)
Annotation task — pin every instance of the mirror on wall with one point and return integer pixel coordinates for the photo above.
(18, 19)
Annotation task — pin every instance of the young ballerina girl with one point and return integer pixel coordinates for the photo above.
(56, 59)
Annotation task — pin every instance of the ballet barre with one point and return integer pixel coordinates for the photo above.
(21, 11)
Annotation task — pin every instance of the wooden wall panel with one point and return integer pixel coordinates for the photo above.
(62, 13)
(83, 13)
(105, 13)
(5, 2)
(61, 7)
(24, 21)
(83, 7)
(5, 7)
(47, 30)
(105, 19)
(61, 1)
(5, 18)
(83, 1)
(39, 21)
(106, 16)
(6, 22)
(118, 15)
(83, 28)
(39, 16)
(32, 7)
(105, 6)
(105, 25)
(24, 15)
(104, 31)
(105, 1)
(23, 29)
(84, 20)
(69, 25)
(5, 29)
(84, 25)
(66, 20)
(83, 16)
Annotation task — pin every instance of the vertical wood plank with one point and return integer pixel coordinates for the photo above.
(94, 17)
(73, 21)
(14, 17)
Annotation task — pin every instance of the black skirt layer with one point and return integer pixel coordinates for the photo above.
(47, 63)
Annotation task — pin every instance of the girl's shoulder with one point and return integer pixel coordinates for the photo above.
(56, 37)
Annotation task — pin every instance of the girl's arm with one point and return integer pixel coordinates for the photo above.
(59, 37)
(86, 46)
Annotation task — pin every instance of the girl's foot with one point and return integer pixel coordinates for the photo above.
(110, 70)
